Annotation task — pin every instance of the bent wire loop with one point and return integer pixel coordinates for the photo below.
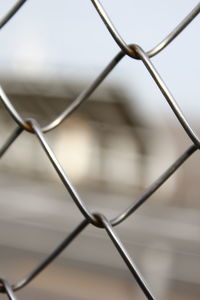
(130, 50)
(32, 126)
(155, 50)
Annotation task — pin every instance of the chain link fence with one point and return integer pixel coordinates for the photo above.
(97, 219)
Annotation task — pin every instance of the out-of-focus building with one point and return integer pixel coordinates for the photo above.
(111, 155)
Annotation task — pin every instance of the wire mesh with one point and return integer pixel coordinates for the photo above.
(97, 219)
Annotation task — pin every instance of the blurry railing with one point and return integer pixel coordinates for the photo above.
(97, 219)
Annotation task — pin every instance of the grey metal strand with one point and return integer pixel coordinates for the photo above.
(98, 220)
(57, 251)
(154, 186)
(126, 257)
(155, 50)
(66, 181)
(7, 289)
(10, 140)
(11, 12)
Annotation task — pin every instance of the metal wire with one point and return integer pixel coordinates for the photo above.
(13, 10)
(32, 126)
(155, 50)
(6, 288)
(41, 266)
(124, 254)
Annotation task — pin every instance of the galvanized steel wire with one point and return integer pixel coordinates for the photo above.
(97, 219)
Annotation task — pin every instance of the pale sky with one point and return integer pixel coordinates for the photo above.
(67, 38)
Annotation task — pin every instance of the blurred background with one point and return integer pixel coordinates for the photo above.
(112, 148)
